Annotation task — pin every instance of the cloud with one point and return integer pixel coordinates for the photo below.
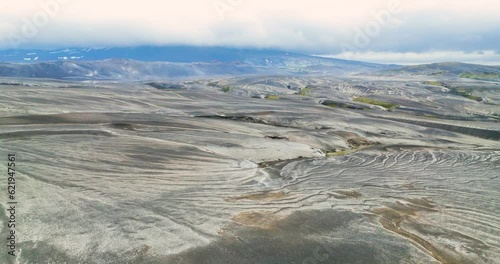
(313, 26)
(411, 58)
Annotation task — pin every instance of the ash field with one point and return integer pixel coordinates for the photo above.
(261, 169)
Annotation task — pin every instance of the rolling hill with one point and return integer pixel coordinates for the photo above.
(448, 69)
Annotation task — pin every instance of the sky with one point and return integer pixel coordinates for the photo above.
(386, 31)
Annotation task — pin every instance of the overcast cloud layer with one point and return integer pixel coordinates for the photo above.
(389, 31)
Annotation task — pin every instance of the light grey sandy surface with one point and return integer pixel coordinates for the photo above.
(125, 173)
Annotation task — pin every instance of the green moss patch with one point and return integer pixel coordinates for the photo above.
(305, 92)
(388, 106)
(480, 76)
(272, 97)
(435, 83)
(467, 93)
(227, 88)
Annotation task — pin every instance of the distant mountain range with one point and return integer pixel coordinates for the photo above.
(179, 54)
(150, 62)
(169, 62)
(176, 54)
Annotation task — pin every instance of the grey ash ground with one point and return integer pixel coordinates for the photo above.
(255, 170)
